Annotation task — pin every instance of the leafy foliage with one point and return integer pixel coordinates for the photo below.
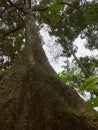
(52, 15)
(92, 102)
(71, 77)
(76, 81)
(91, 85)
(90, 63)
(91, 13)
(3, 2)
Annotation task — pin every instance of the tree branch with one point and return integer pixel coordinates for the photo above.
(70, 5)
(36, 9)
(46, 8)
(11, 31)
(65, 3)
(40, 9)
(17, 7)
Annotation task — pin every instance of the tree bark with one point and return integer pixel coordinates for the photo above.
(33, 98)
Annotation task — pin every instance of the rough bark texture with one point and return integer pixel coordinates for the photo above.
(33, 98)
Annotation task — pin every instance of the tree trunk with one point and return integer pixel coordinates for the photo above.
(33, 98)
(83, 69)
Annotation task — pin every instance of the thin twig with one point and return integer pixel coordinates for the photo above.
(17, 7)
(11, 31)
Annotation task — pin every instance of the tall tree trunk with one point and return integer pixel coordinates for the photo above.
(33, 98)
(80, 65)
(83, 69)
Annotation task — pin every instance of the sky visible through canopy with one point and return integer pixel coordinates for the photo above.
(54, 50)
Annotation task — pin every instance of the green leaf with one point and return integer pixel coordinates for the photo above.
(90, 85)
(91, 13)
(3, 2)
(52, 15)
(92, 102)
